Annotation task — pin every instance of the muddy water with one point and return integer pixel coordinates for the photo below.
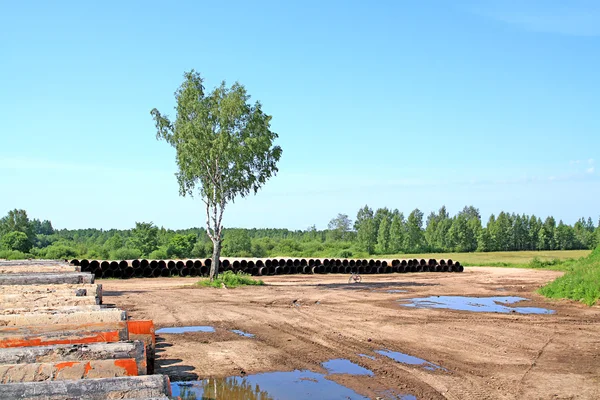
(343, 366)
(242, 333)
(294, 385)
(185, 329)
(411, 360)
(475, 304)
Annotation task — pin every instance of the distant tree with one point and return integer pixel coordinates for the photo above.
(114, 242)
(397, 232)
(16, 241)
(224, 148)
(144, 237)
(379, 216)
(366, 234)
(181, 246)
(436, 232)
(340, 226)
(415, 238)
(501, 232)
(17, 221)
(546, 235)
(565, 237)
(237, 243)
(384, 244)
(484, 240)
(42, 228)
(535, 225)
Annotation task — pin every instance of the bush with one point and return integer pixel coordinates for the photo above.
(159, 254)
(125, 254)
(537, 263)
(60, 251)
(231, 280)
(17, 241)
(345, 253)
(13, 255)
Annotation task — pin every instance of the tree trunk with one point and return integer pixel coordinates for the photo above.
(214, 268)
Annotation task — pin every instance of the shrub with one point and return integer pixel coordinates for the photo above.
(125, 254)
(13, 255)
(346, 253)
(231, 280)
(59, 251)
(17, 241)
(159, 254)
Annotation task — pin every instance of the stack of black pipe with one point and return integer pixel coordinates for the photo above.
(161, 268)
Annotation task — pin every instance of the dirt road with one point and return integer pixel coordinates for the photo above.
(300, 321)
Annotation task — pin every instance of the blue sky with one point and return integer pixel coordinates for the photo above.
(400, 104)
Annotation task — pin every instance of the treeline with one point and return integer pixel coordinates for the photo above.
(379, 232)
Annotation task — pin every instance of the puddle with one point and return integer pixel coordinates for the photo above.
(367, 356)
(185, 329)
(343, 366)
(475, 304)
(411, 360)
(242, 333)
(294, 385)
(397, 291)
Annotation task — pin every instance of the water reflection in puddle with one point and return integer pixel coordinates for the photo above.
(185, 329)
(343, 366)
(295, 385)
(397, 291)
(367, 356)
(411, 360)
(242, 333)
(475, 304)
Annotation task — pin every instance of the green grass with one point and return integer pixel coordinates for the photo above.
(517, 259)
(581, 282)
(231, 280)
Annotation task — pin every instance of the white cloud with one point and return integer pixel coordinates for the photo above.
(590, 170)
(591, 161)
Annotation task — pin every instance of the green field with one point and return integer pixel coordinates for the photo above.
(521, 259)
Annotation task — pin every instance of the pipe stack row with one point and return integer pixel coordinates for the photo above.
(260, 267)
(58, 341)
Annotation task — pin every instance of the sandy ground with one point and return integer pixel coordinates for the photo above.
(301, 321)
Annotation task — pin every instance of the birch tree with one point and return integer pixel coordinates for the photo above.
(224, 148)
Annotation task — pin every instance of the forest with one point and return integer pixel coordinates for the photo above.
(380, 232)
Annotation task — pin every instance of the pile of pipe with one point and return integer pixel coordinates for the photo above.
(166, 268)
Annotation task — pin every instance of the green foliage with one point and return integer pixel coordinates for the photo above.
(17, 221)
(159, 254)
(59, 251)
(345, 254)
(42, 228)
(13, 255)
(366, 232)
(443, 233)
(339, 227)
(415, 238)
(144, 237)
(581, 282)
(17, 241)
(547, 264)
(181, 246)
(126, 253)
(230, 280)
(224, 147)
(236, 243)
